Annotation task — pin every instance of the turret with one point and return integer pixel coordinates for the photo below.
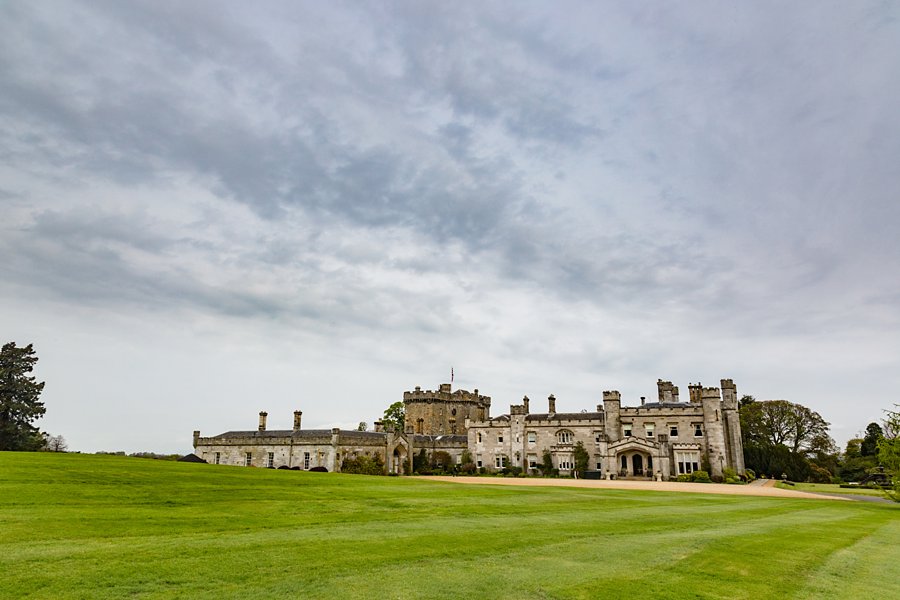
(612, 402)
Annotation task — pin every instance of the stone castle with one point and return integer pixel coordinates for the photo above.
(660, 440)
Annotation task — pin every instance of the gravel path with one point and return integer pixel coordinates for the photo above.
(659, 486)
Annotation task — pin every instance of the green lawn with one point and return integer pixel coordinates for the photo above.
(831, 488)
(75, 526)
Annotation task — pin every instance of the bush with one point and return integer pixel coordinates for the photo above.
(717, 479)
(700, 477)
(749, 474)
(819, 475)
(363, 465)
(684, 478)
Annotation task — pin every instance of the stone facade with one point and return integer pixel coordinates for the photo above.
(444, 412)
(660, 439)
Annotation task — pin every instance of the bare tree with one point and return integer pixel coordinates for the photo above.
(56, 443)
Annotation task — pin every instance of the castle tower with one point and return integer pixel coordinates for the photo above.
(731, 410)
(714, 430)
(443, 411)
(612, 403)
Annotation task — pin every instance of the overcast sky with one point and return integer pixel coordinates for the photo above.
(215, 208)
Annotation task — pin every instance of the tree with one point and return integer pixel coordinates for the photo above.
(869, 446)
(394, 417)
(20, 403)
(889, 445)
(55, 443)
(889, 449)
(581, 459)
(547, 463)
(442, 460)
(745, 400)
(363, 426)
(779, 422)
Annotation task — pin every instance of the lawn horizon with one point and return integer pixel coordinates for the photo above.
(87, 526)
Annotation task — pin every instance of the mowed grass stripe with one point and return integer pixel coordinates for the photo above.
(94, 527)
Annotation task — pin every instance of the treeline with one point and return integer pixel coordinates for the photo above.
(786, 440)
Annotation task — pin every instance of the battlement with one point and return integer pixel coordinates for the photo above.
(666, 391)
(612, 396)
(710, 393)
(444, 394)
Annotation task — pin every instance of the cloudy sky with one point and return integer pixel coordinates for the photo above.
(215, 208)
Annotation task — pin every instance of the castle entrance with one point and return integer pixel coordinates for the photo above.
(637, 465)
(398, 460)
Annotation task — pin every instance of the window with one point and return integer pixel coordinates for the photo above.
(459, 459)
(597, 435)
(270, 460)
(517, 438)
(688, 461)
(565, 464)
(499, 437)
(698, 430)
(564, 436)
(532, 461)
(673, 430)
(532, 437)
(218, 456)
(478, 462)
(247, 458)
(479, 437)
(306, 461)
(649, 429)
(599, 466)
(626, 430)
(499, 461)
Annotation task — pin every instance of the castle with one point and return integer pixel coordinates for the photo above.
(658, 440)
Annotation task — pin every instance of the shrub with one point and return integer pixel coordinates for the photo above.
(700, 477)
(819, 475)
(729, 473)
(684, 478)
(717, 479)
(749, 474)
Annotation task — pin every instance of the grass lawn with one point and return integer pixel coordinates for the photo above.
(74, 526)
(830, 488)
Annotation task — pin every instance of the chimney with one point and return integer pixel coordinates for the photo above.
(551, 404)
(525, 402)
(643, 399)
(196, 437)
(297, 415)
(262, 420)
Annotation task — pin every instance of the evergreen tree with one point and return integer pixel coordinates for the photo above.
(20, 403)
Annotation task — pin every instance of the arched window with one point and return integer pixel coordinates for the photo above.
(564, 436)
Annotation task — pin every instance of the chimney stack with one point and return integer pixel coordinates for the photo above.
(262, 420)
(196, 437)
(551, 403)
(297, 415)
(525, 401)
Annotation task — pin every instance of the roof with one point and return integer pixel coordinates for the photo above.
(191, 458)
(666, 405)
(579, 416)
(441, 439)
(303, 433)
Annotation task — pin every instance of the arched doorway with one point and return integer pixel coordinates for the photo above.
(398, 460)
(637, 464)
